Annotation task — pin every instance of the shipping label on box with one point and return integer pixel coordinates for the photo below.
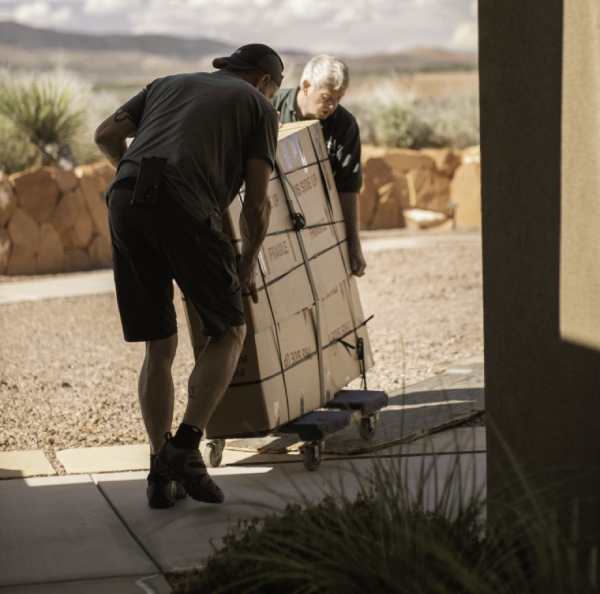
(309, 134)
(295, 148)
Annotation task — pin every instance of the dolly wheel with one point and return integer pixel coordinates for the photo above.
(311, 457)
(214, 452)
(367, 426)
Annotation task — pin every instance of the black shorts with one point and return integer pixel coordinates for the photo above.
(156, 245)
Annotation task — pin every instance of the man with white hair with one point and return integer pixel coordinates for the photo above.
(323, 83)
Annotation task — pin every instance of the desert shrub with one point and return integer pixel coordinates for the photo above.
(45, 120)
(389, 113)
(453, 121)
(382, 100)
(400, 127)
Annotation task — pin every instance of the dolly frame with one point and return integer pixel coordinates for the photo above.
(313, 428)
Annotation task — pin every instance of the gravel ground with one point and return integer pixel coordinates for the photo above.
(67, 378)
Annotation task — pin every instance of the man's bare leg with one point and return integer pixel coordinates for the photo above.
(179, 459)
(212, 374)
(156, 391)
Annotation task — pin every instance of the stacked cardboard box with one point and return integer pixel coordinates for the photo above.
(303, 334)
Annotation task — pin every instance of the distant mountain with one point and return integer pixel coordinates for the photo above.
(131, 60)
(30, 39)
(415, 60)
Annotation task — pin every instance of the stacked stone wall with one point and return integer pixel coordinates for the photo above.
(54, 221)
(420, 189)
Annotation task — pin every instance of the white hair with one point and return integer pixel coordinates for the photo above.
(326, 71)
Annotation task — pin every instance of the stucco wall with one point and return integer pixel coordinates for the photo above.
(542, 391)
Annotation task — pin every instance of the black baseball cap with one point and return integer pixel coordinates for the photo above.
(254, 55)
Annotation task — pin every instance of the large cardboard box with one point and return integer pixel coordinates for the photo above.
(293, 367)
(302, 336)
(342, 324)
(284, 278)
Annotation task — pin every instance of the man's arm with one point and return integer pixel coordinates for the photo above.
(351, 212)
(111, 134)
(254, 221)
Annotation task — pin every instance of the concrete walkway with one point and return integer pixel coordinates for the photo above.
(90, 531)
(93, 533)
(71, 285)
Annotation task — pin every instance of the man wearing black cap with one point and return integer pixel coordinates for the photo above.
(196, 139)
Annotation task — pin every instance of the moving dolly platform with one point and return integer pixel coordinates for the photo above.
(361, 406)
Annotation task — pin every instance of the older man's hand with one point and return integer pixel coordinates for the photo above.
(357, 260)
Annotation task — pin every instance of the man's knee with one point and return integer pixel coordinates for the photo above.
(239, 333)
(162, 352)
(236, 334)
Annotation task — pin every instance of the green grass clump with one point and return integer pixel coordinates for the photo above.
(340, 547)
(387, 541)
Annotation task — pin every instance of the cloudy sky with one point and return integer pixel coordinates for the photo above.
(349, 27)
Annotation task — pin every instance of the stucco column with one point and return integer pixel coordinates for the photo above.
(540, 147)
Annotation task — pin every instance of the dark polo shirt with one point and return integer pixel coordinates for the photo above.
(342, 138)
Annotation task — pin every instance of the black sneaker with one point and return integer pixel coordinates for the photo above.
(162, 492)
(187, 467)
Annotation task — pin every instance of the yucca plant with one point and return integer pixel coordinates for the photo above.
(47, 110)
(16, 153)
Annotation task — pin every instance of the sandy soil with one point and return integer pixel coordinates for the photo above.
(67, 378)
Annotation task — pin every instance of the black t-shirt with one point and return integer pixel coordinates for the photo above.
(342, 138)
(207, 125)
